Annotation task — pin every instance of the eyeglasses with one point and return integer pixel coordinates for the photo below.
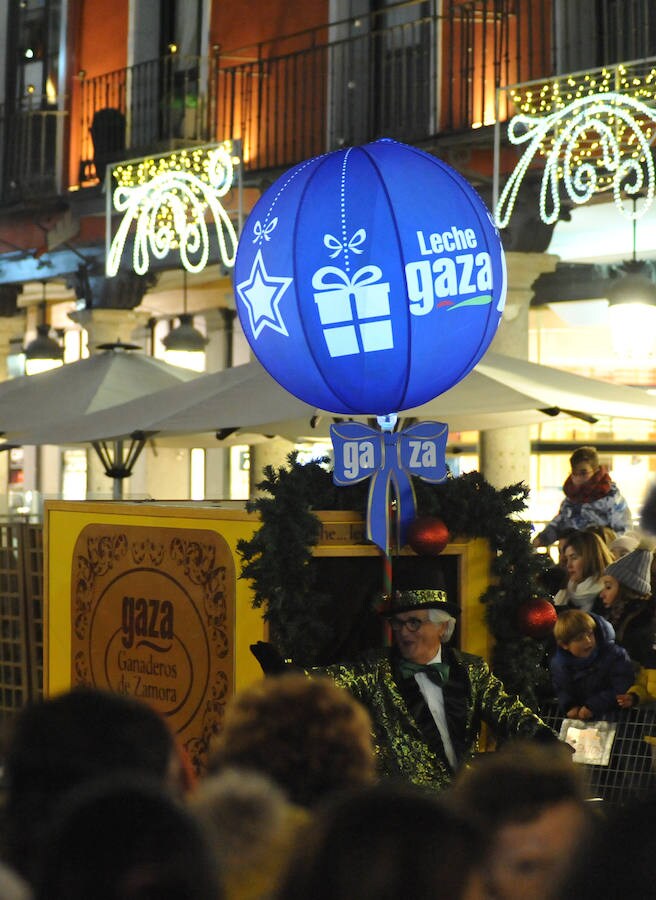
(412, 624)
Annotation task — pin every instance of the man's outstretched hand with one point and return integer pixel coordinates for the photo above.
(268, 657)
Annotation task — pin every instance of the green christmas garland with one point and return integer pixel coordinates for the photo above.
(312, 620)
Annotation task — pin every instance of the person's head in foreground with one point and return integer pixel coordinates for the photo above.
(529, 801)
(391, 841)
(125, 838)
(308, 735)
(252, 828)
(618, 859)
(70, 739)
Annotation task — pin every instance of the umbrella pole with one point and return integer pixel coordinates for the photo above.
(117, 490)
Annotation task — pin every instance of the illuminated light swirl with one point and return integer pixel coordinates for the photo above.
(169, 210)
(602, 112)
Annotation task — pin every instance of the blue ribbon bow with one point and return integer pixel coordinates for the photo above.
(389, 459)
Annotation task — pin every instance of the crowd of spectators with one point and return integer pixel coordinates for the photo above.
(100, 802)
(96, 808)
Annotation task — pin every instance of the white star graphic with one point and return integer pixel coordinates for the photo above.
(261, 294)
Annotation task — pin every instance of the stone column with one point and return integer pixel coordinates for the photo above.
(108, 326)
(505, 453)
(272, 452)
(219, 324)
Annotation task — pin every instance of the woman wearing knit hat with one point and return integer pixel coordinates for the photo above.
(624, 544)
(629, 606)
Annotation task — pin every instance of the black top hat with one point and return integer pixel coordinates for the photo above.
(406, 600)
(417, 584)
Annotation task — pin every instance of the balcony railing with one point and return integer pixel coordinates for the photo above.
(418, 71)
(405, 72)
(30, 154)
(144, 108)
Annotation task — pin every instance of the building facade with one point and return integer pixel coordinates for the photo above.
(90, 85)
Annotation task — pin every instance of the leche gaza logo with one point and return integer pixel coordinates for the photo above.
(354, 309)
(147, 639)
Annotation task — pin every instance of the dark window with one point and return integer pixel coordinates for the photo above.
(592, 33)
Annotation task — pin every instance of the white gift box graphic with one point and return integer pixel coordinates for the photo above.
(354, 312)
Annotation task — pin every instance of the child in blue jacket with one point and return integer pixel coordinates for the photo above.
(589, 669)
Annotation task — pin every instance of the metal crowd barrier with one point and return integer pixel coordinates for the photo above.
(631, 770)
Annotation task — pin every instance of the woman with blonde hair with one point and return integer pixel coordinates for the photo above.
(586, 557)
(308, 735)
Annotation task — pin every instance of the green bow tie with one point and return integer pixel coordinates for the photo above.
(437, 672)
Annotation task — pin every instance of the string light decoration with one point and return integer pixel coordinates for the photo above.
(593, 133)
(166, 202)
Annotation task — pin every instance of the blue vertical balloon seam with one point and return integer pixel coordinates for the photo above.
(294, 245)
(265, 234)
(350, 325)
(262, 234)
(365, 276)
(260, 296)
(399, 243)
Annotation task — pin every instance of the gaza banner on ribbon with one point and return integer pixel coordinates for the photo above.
(389, 459)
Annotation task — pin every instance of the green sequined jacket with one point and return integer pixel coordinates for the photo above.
(408, 743)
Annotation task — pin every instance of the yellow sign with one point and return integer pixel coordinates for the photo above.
(151, 611)
(146, 601)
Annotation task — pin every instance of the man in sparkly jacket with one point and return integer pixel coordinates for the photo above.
(427, 700)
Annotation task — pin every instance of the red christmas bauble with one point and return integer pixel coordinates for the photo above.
(428, 536)
(537, 618)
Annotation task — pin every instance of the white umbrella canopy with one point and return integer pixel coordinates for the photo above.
(501, 391)
(90, 386)
(247, 392)
(114, 376)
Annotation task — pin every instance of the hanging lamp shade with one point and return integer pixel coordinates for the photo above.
(185, 337)
(185, 345)
(634, 285)
(43, 353)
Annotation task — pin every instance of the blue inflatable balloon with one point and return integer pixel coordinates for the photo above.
(370, 280)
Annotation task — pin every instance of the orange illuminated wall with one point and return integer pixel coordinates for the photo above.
(469, 43)
(263, 70)
(245, 23)
(99, 46)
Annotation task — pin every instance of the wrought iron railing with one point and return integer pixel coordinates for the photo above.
(420, 71)
(31, 153)
(407, 72)
(144, 108)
